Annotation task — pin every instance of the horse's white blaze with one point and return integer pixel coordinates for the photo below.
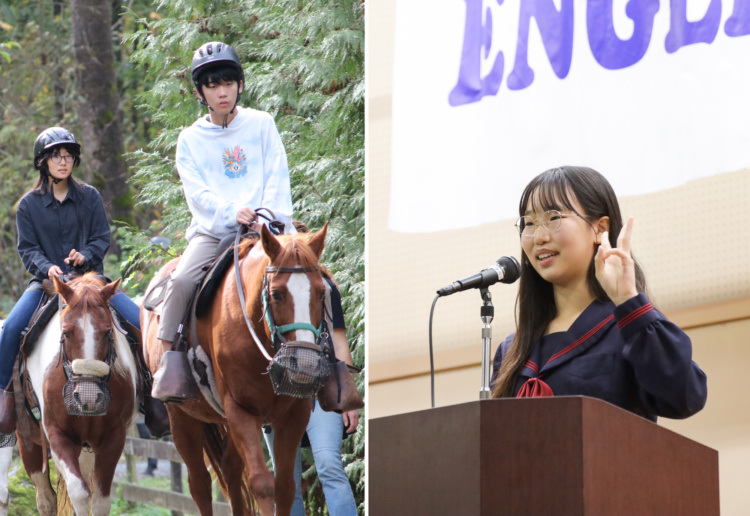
(299, 287)
(89, 344)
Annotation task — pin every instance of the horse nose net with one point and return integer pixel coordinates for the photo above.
(87, 396)
(298, 369)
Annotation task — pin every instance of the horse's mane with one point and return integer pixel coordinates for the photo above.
(87, 290)
(294, 249)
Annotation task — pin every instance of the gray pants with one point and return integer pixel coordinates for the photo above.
(200, 252)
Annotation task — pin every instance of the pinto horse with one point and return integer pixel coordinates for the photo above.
(6, 455)
(81, 342)
(231, 436)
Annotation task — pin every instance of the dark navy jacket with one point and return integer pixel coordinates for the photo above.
(630, 356)
(49, 229)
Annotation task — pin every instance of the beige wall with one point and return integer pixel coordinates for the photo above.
(691, 241)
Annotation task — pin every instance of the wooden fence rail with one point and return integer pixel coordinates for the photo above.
(173, 500)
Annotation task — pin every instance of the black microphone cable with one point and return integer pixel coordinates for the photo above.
(432, 361)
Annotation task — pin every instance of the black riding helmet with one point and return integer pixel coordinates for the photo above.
(213, 53)
(54, 137)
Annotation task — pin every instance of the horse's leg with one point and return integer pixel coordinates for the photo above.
(286, 440)
(66, 454)
(245, 430)
(105, 462)
(6, 454)
(233, 468)
(46, 499)
(187, 435)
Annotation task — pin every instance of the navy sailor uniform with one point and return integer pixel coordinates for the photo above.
(630, 356)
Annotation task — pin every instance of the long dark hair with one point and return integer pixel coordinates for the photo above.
(42, 186)
(556, 189)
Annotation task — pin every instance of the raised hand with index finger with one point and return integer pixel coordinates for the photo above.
(615, 268)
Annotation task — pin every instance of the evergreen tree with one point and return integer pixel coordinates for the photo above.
(304, 63)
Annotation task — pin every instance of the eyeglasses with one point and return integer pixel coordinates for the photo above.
(58, 158)
(550, 219)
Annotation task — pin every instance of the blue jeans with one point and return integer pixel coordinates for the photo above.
(325, 431)
(10, 336)
(127, 308)
(19, 317)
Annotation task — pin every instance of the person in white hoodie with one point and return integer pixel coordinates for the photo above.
(230, 161)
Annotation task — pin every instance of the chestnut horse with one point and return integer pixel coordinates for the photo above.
(82, 343)
(232, 440)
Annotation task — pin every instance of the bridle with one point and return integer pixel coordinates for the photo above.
(75, 382)
(277, 331)
(299, 368)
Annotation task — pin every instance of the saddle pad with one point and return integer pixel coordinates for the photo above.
(38, 323)
(156, 295)
(203, 374)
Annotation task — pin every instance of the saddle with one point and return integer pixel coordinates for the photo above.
(47, 308)
(209, 284)
(217, 270)
(203, 298)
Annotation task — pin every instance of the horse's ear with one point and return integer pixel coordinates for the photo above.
(110, 289)
(65, 290)
(271, 245)
(318, 241)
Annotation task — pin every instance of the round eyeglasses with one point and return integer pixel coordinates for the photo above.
(58, 158)
(550, 219)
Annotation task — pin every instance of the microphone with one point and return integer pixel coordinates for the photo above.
(505, 270)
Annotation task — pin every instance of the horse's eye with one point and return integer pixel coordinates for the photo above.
(66, 334)
(276, 295)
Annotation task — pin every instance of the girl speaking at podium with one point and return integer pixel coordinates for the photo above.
(585, 325)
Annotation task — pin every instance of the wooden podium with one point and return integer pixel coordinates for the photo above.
(537, 456)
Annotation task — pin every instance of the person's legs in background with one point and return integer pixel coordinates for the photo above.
(143, 433)
(325, 431)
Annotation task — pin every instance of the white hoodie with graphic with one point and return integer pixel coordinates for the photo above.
(223, 170)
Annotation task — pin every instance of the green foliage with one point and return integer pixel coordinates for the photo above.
(304, 63)
(38, 90)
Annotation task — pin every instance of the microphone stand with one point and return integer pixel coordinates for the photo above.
(487, 312)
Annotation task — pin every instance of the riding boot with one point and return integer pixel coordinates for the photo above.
(7, 412)
(173, 382)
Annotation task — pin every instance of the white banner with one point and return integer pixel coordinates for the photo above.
(489, 93)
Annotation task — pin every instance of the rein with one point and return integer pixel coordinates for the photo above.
(238, 280)
(275, 330)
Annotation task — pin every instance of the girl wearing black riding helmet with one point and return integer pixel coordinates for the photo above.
(62, 229)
